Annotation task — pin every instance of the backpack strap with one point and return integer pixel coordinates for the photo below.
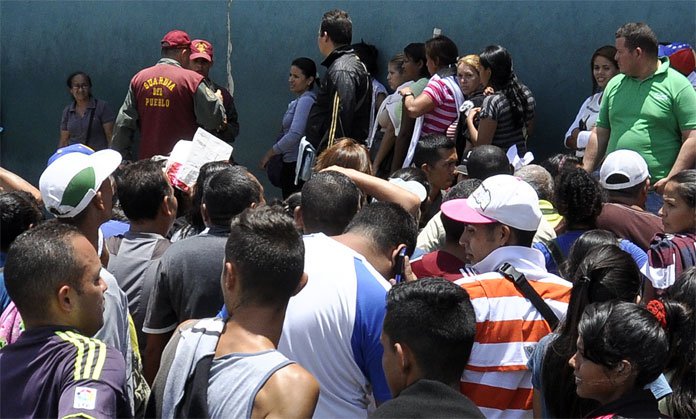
(522, 285)
(556, 252)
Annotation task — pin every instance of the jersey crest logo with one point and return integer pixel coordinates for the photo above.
(85, 398)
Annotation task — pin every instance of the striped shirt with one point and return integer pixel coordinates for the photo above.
(445, 112)
(508, 327)
(497, 107)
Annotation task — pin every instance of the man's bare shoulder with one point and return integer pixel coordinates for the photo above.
(290, 392)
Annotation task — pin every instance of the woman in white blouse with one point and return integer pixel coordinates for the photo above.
(604, 67)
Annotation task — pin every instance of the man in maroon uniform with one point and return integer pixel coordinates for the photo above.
(167, 103)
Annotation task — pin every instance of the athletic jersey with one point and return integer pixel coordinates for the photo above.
(508, 328)
(332, 328)
(53, 371)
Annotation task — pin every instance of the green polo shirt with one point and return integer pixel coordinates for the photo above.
(649, 116)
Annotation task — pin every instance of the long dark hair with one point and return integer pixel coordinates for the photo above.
(504, 81)
(445, 52)
(680, 307)
(608, 52)
(607, 273)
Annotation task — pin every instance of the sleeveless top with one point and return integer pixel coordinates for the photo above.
(164, 100)
(235, 379)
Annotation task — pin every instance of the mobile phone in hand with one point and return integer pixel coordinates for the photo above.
(399, 266)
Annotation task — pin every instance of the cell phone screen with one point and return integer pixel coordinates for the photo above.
(399, 266)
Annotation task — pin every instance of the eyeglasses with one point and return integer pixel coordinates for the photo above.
(80, 86)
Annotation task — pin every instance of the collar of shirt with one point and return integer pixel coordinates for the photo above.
(169, 61)
(92, 104)
(339, 51)
(527, 260)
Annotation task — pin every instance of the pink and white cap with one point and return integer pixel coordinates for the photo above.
(501, 198)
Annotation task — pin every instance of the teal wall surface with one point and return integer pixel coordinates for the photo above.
(42, 42)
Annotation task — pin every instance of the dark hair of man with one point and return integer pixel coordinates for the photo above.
(141, 189)
(618, 330)
(415, 52)
(686, 186)
(578, 198)
(442, 51)
(680, 307)
(387, 225)
(631, 192)
(504, 80)
(368, 54)
(436, 320)
(329, 201)
(268, 254)
(337, 24)
(639, 35)
(18, 211)
(428, 149)
(229, 192)
(39, 261)
(487, 160)
(206, 171)
(607, 273)
(307, 67)
(462, 190)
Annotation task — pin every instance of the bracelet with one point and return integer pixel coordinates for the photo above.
(409, 94)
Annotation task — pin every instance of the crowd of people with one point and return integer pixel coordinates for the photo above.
(424, 269)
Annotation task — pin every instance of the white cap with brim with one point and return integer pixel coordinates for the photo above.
(501, 198)
(627, 163)
(69, 183)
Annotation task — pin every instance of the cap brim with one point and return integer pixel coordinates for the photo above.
(105, 162)
(459, 210)
(201, 55)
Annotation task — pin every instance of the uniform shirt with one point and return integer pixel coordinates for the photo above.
(508, 328)
(648, 116)
(167, 103)
(332, 328)
(53, 371)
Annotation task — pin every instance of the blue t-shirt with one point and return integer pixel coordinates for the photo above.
(4, 296)
(566, 240)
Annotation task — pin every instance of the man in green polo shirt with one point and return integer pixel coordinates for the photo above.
(650, 108)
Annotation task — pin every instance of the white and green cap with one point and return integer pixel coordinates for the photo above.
(70, 182)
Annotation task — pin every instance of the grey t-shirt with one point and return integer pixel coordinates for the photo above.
(187, 282)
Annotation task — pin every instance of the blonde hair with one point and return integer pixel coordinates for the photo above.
(472, 60)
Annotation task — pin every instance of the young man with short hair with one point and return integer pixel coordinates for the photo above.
(343, 104)
(55, 369)
(427, 338)
(148, 201)
(436, 156)
(241, 373)
(502, 216)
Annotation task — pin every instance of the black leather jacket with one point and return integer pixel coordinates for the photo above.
(347, 77)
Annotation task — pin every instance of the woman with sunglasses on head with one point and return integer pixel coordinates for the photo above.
(86, 120)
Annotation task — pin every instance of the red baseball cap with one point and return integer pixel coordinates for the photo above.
(200, 48)
(176, 39)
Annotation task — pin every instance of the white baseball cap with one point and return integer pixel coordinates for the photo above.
(623, 162)
(501, 198)
(71, 181)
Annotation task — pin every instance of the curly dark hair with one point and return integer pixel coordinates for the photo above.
(578, 198)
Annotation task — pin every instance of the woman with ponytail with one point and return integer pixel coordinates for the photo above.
(680, 319)
(507, 116)
(607, 273)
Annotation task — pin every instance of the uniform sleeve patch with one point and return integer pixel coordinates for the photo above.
(85, 398)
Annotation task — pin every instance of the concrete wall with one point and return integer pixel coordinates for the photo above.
(42, 42)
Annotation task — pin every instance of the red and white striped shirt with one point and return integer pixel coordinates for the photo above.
(508, 327)
(445, 112)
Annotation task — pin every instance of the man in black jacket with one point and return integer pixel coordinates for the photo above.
(342, 108)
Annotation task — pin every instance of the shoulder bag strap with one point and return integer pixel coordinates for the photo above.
(91, 118)
(521, 283)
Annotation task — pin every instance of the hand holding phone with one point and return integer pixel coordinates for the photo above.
(399, 266)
